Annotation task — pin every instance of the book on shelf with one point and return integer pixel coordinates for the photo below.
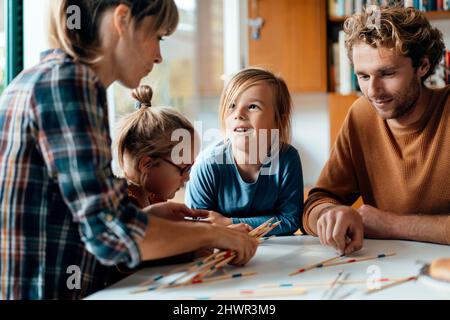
(343, 79)
(335, 75)
(342, 8)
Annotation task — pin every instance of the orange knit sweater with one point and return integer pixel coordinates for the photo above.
(404, 171)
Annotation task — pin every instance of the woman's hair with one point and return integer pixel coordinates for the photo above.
(282, 101)
(407, 30)
(148, 130)
(83, 43)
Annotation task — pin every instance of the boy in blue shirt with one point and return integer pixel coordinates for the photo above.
(255, 174)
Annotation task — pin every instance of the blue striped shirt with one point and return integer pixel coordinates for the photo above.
(64, 220)
(216, 184)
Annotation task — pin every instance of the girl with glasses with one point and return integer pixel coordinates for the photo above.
(145, 148)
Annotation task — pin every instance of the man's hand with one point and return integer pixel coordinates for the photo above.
(342, 228)
(174, 211)
(377, 223)
(217, 218)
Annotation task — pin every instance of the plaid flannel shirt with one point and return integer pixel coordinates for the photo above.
(64, 219)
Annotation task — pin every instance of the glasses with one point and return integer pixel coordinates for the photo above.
(182, 170)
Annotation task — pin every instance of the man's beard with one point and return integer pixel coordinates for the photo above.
(408, 100)
(405, 102)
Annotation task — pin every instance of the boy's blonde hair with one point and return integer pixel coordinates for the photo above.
(83, 44)
(282, 101)
(407, 30)
(148, 130)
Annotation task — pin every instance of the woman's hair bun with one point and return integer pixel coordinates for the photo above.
(143, 94)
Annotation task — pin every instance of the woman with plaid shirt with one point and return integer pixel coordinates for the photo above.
(61, 209)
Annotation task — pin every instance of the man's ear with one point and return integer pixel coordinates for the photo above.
(121, 18)
(424, 67)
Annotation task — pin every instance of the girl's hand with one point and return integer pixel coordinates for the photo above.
(217, 218)
(174, 211)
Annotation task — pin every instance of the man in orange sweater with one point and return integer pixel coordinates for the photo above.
(394, 147)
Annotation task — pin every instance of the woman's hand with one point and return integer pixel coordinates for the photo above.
(236, 240)
(203, 252)
(174, 211)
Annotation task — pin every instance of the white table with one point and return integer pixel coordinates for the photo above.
(278, 257)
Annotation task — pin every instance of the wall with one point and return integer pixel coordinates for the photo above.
(35, 30)
(310, 135)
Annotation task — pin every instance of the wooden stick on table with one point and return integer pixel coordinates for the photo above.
(315, 265)
(395, 283)
(322, 283)
(353, 260)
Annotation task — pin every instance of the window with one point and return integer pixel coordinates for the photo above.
(11, 40)
(2, 45)
(190, 77)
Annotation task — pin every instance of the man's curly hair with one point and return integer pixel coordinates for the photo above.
(407, 30)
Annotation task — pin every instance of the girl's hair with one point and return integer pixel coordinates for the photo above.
(83, 43)
(148, 130)
(282, 101)
(407, 30)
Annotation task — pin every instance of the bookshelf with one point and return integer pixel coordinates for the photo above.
(438, 15)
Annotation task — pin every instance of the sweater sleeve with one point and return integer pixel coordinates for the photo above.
(337, 183)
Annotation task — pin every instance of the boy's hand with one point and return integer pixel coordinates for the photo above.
(217, 218)
(174, 211)
(241, 227)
